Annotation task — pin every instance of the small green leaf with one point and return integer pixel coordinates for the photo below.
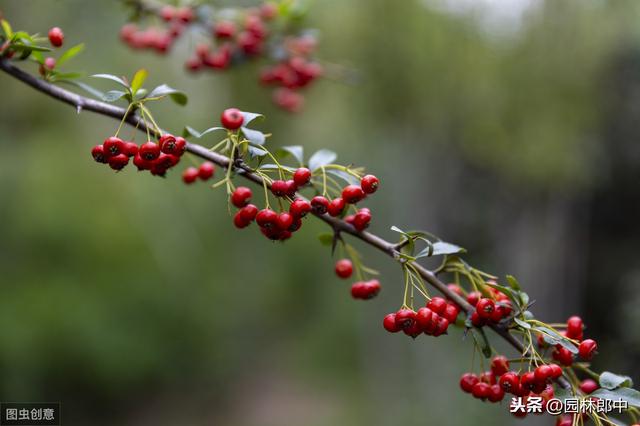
(396, 229)
(522, 324)
(211, 129)
(163, 90)
(350, 179)
(29, 48)
(524, 298)
(296, 151)
(111, 77)
(632, 396)
(557, 339)
(6, 27)
(70, 53)
(138, 80)
(610, 380)
(440, 248)
(513, 282)
(68, 75)
(249, 117)
(113, 95)
(321, 158)
(256, 137)
(93, 91)
(257, 152)
(326, 239)
(275, 167)
(190, 131)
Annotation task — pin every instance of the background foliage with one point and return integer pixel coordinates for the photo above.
(511, 130)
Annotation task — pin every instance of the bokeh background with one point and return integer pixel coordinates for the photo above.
(509, 127)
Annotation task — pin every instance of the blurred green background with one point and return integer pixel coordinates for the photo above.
(509, 127)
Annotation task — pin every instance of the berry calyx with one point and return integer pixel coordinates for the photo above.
(352, 194)
(206, 170)
(509, 381)
(302, 176)
(369, 184)
(56, 37)
(344, 268)
(587, 349)
(114, 146)
(190, 175)
(232, 118)
(241, 196)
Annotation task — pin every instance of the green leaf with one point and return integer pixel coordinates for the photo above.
(439, 248)
(29, 48)
(513, 282)
(632, 396)
(92, 91)
(70, 53)
(6, 27)
(557, 339)
(321, 158)
(249, 117)
(270, 166)
(522, 324)
(524, 298)
(610, 380)
(138, 80)
(257, 152)
(190, 131)
(396, 229)
(326, 239)
(211, 129)
(113, 95)
(350, 179)
(111, 77)
(68, 75)
(256, 137)
(296, 151)
(163, 90)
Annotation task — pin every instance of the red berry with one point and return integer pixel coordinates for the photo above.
(206, 170)
(556, 371)
(241, 196)
(467, 381)
(405, 317)
(350, 219)
(451, 312)
(285, 220)
(441, 326)
(481, 390)
(344, 268)
(496, 393)
(299, 208)
(117, 162)
(336, 206)
(369, 184)
(232, 118)
(98, 153)
(473, 297)
(412, 330)
(488, 377)
(185, 14)
(455, 288)
(248, 212)
(239, 221)
(297, 224)
(389, 323)
(141, 163)
(170, 144)
(292, 187)
(485, 308)
(319, 204)
(267, 218)
(302, 176)
(166, 161)
(352, 194)
(167, 13)
(362, 219)
(528, 381)
(114, 146)
(149, 151)
(190, 175)
(56, 37)
(509, 381)
(543, 373)
(588, 386)
(371, 288)
(563, 356)
(279, 188)
(564, 420)
(587, 349)
(224, 29)
(49, 63)
(477, 320)
(424, 318)
(268, 10)
(574, 327)
(437, 305)
(499, 365)
(131, 149)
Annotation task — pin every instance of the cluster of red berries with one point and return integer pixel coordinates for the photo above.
(575, 331)
(233, 41)
(290, 75)
(156, 38)
(432, 320)
(204, 172)
(494, 384)
(489, 310)
(155, 157)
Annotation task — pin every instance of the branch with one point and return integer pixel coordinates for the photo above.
(83, 103)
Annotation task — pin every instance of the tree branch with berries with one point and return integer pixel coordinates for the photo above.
(552, 359)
